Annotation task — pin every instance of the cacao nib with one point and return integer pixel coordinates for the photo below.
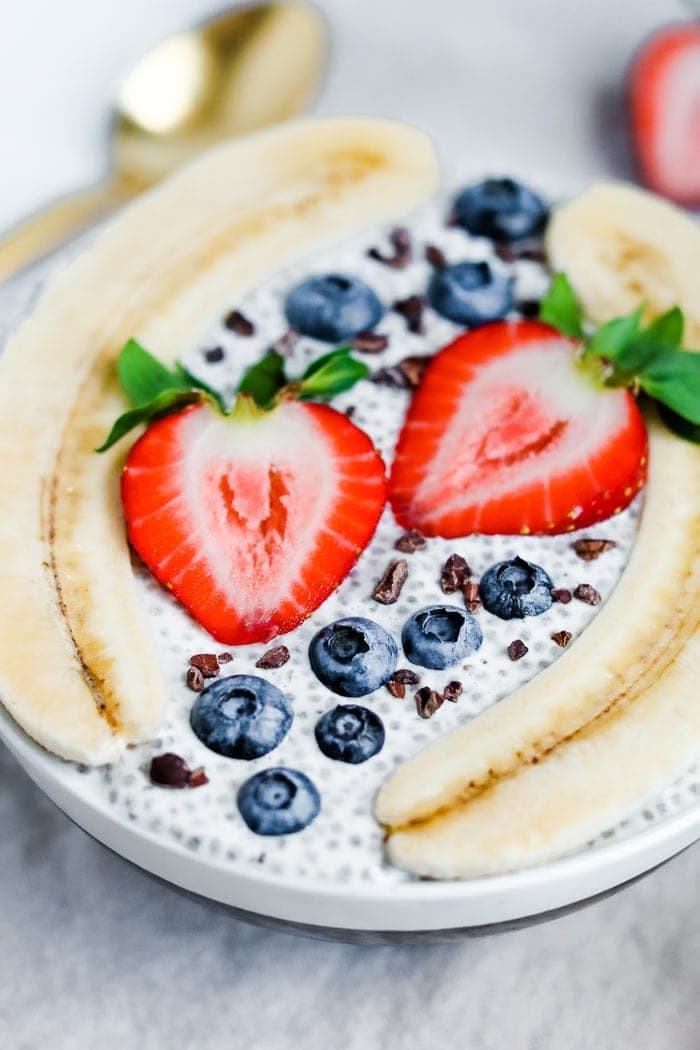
(562, 638)
(207, 663)
(405, 676)
(589, 549)
(428, 702)
(195, 679)
(273, 658)
(370, 342)
(561, 595)
(239, 323)
(406, 375)
(436, 257)
(455, 574)
(169, 770)
(588, 594)
(517, 649)
(389, 587)
(411, 309)
(452, 691)
(410, 542)
(214, 355)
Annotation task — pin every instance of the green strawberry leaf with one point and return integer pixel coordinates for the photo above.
(673, 378)
(331, 374)
(664, 333)
(667, 328)
(263, 380)
(561, 308)
(162, 405)
(143, 377)
(615, 337)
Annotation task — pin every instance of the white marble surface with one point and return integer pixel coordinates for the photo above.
(95, 954)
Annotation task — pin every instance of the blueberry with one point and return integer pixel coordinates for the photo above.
(502, 209)
(241, 716)
(354, 656)
(278, 801)
(440, 636)
(333, 307)
(350, 733)
(470, 293)
(515, 589)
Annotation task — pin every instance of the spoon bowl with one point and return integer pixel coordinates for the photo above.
(246, 68)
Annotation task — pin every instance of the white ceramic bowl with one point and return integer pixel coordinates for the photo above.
(351, 903)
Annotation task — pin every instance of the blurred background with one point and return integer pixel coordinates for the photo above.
(529, 83)
(93, 953)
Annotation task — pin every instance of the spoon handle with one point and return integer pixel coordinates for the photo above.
(55, 224)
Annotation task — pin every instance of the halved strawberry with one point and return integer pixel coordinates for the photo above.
(252, 519)
(664, 91)
(507, 434)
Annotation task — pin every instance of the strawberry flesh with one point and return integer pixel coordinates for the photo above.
(507, 434)
(252, 520)
(664, 94)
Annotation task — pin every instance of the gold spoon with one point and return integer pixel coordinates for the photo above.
(248, 67)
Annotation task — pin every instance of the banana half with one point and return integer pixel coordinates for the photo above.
(617, 717)
(78, 670)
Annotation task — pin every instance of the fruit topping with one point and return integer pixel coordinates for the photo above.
(278, 801)
(389, 587)
(350, 733)
(470, 293)
(241, 716)
(252, 519)
(515, 589)
(508, 433)
(501, 209)
(664, 101)
(440, 636)
(333, 307)
(354, 656)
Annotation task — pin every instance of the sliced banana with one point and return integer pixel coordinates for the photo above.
(77, 667)
(621, 246)
(583, 787)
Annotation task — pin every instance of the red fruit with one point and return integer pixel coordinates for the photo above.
(252, 519)
(664, 90)
(507, 434)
